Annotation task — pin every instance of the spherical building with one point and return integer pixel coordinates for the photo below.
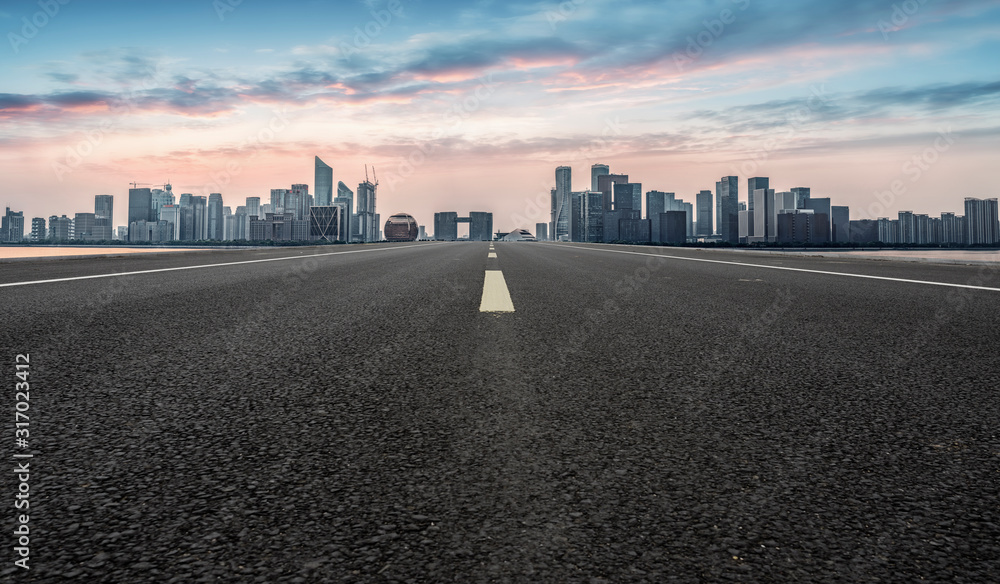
(401, 227)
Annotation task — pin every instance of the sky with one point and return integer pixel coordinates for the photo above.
(470, 106)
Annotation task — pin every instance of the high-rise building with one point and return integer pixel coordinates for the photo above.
(199, 218)
(907, 227)
(446, 226)
(576, 217)
(38, 229)
(298, 202)
(764, 228)
(159, 198)
(345, 196)
(981, 221)
(278, 201)
(605, 184)
(637, 197)
(802, 226)
(561, 207)
(172, 215)
(864, 231)
(253, 206)
(951, 229)
(596, 171)
(215, 215)
(673, 227)
(753, 184)
(746, 223)
(593, 216)
(727, 209)
(60, 228)
(140, 207)
(480, 226)
(821, 206)
(12, 226)
(542, 231)
(840, 223)
(658, 202)
(802, 194)
(104, 206)
(324, 222)
(367, 221)
(83, 227)
(704, 202)
(323, 184)
(624, 200)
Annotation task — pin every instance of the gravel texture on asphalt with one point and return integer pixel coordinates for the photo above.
(355, 418)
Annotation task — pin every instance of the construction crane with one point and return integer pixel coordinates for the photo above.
(135, 185)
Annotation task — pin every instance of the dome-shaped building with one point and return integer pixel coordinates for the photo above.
(401, 227)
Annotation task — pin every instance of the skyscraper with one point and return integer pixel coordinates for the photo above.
(802, 194)
(480, 226)
(596, 171)
(593, 216)
(542, 231)
(764, 228)
(104, 206)
(704, 201)
(840, 219)
(727, 210)
(299, 197)
(752, 185)
(446, 226)
(821, 206)
(323, 184)
(562, 207)
(368, 228)
(253, 206)
(199, 218)
(38, 229)
(12, 226)
(215, 224)
(605, 184)
(140, 207)
(981, 220)
(345, 196)
(159, 198)
(657, 203)
(172, 215)
(576, 216)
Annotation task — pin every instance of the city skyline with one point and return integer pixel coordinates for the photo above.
(876, 106)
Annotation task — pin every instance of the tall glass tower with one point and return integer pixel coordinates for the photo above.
(561, 205)
(323, 184)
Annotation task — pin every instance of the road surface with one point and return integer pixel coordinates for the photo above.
(362, 414)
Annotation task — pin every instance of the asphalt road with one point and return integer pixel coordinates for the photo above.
(355, 418)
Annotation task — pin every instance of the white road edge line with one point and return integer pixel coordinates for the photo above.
(496, 297)
(655, 255)
(298, 257)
